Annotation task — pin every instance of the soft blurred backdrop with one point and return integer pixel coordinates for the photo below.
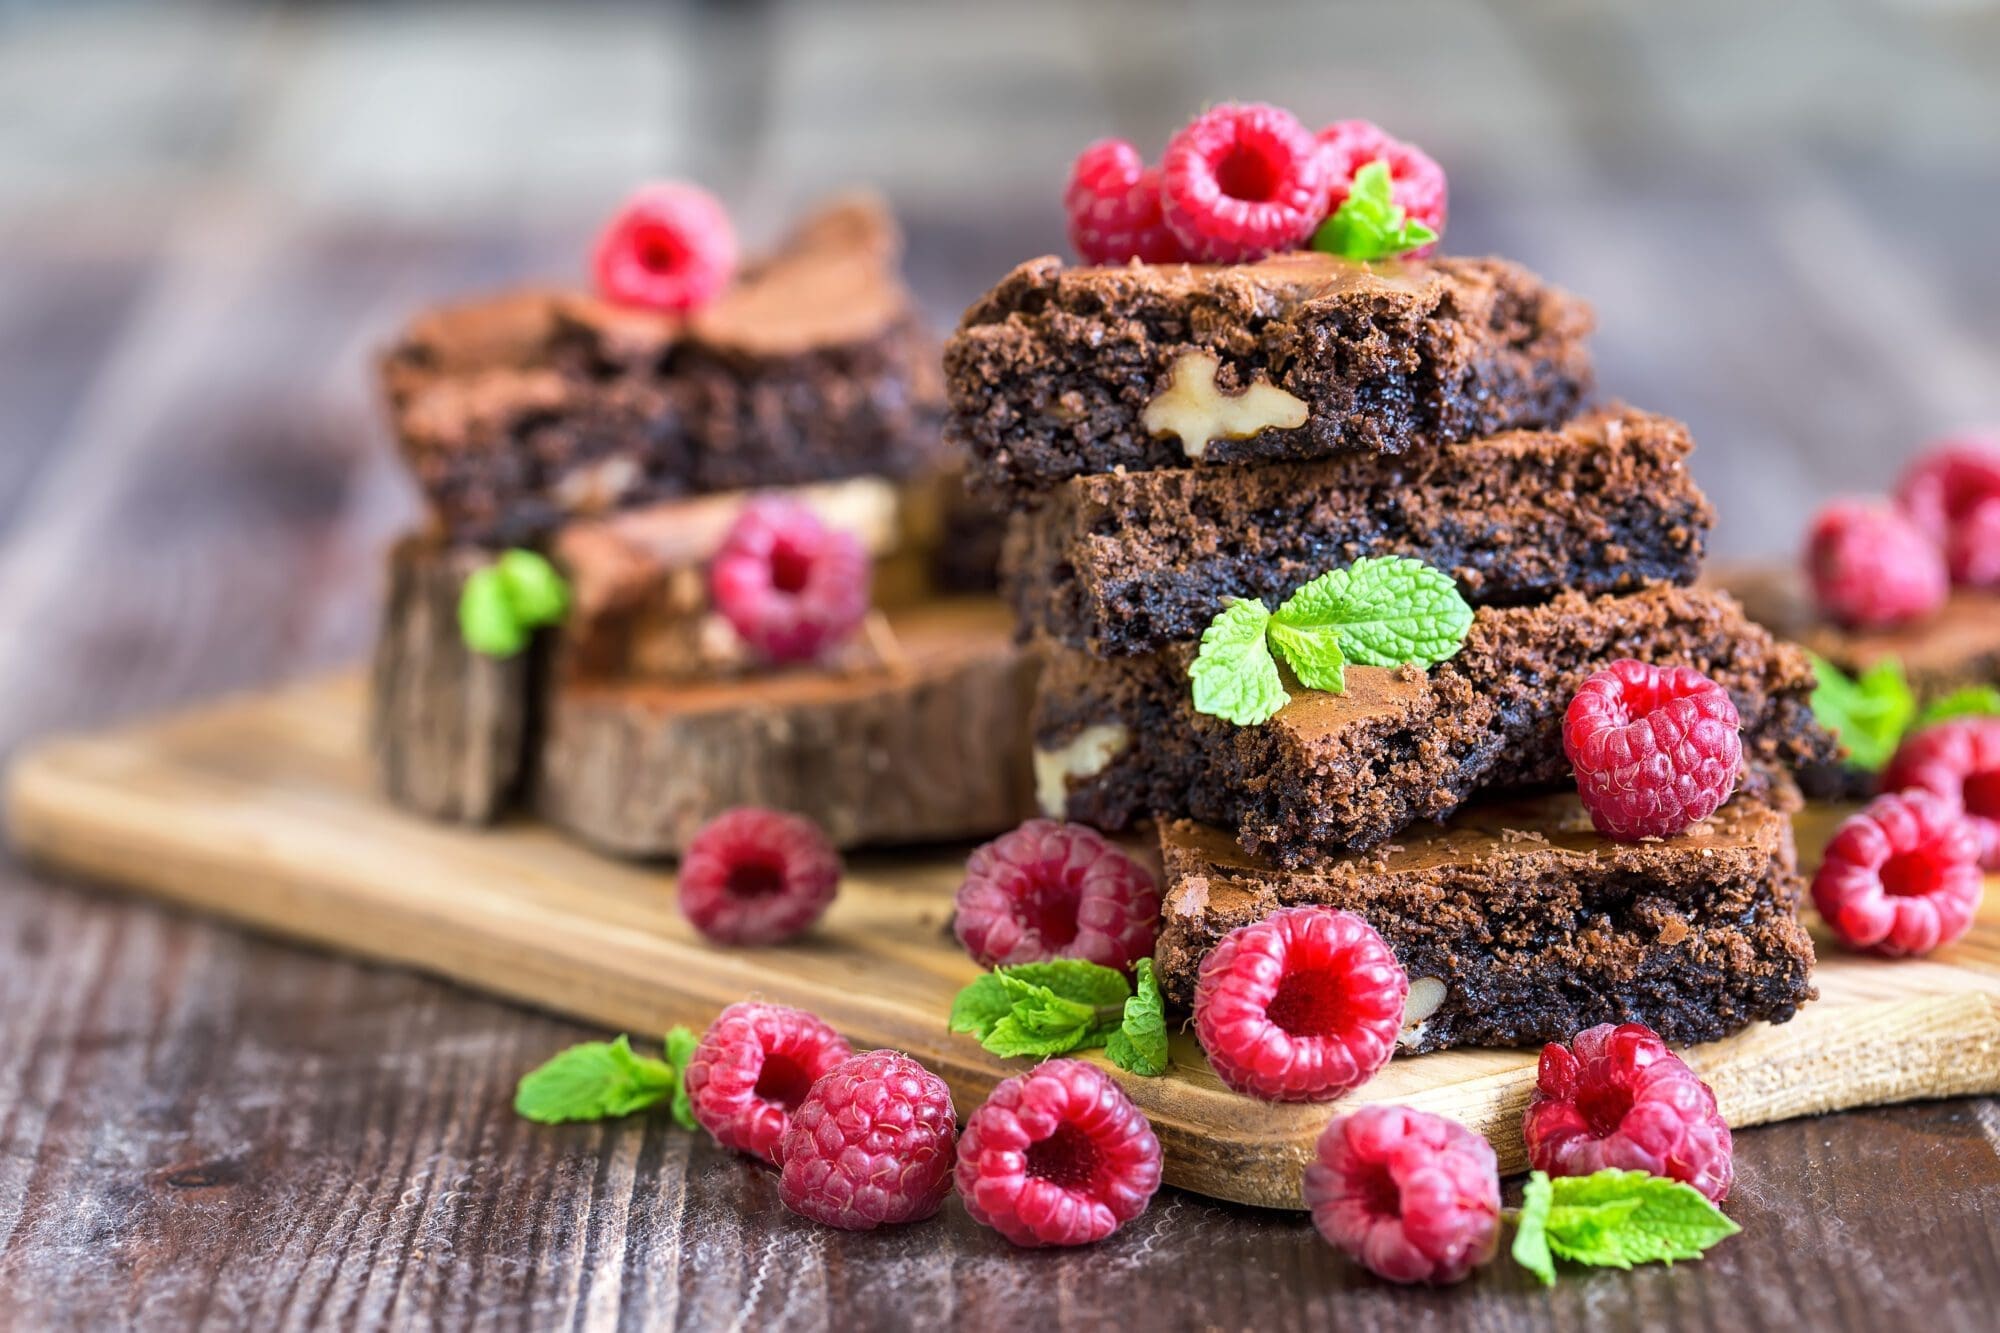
(211, 213)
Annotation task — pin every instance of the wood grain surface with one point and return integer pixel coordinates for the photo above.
(211, 213)
(262, 810)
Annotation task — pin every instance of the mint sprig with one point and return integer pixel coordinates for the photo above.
(596, 1080)
(681, 1042)
(1613, 1219)
(1379, 611)
(1871, 713)
(1054, 1008)
(1370, 224)
(501, 605)
(1972, 701)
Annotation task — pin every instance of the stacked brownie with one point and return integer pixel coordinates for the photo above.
(1172, 437)
(622, 445)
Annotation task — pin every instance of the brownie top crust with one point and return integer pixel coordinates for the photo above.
(1062, 371)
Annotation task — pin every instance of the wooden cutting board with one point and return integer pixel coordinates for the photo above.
(260, 810)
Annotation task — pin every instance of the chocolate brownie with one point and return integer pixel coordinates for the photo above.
(1118, 739)
(926, 741)
(526, 409)
(1128, 562)
(1061, 371)
(1518, 924)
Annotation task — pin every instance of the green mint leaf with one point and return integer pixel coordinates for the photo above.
(486, 617)
(1531, 1241)
(1042, 1008)
(1973, 701)
(1139, 1044)
(537, 592)
(1235, 676)
(1620, 1218)
(1313, 653)
(681, 1042)
(593, 1081)
(1869, 713)
(1369, 224)
(1383, 611)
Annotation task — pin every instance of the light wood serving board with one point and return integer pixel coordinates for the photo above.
(260, 810)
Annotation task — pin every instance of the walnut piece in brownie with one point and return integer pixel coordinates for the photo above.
(1517, 941)
(523, 410)
(1059, 371)
(1124, 563)
(1331, 772)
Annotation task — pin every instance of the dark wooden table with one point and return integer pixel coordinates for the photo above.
(211, 214)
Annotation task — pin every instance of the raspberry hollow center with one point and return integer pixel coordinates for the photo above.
(659, 250)
(756, 879)
(1378, 1191)
(1050, 911)
(783, 1081)
(1911, 874)
(1308, 1003)
(791, 569)
(1982, 793)
(1066, 1158)
(1603, 1106)
(1245, 173)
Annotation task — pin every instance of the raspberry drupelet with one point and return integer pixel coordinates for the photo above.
(1617, 1097)
(1416, 183)
(753, 1068)
(1901, 877)
(1957, 761)
(753, 876)
(790, 586)
(1055, 890)
(670, 248)
(1113, 205)
(1411, 1197)
(1302, 1006)
(871, 1145)
(1243, 181)
(1655, 749)
(1872, 568)
(1057, 1156)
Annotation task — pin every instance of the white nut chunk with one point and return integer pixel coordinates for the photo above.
(1426, 994)
(1085, 756)
(1194, 409)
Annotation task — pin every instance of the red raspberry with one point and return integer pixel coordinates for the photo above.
(871, 1145)
(670, 247)
(1958, 761)
(1057, 1156)
(754, 876)
(790, 586)
(1901, 877)
(1872, 568)
(1243, 181)
(1415, 181)
(1617, 1097)
(1410, 1196)
(752, 1070)
(1655, 749)
(1054, 890)
(1948, 480)
(1300, 1007)
(1113, 203)
(1972, 551)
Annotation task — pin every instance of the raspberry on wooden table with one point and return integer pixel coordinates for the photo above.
(1302, 1006)
(752, 876)
(1416, 183)
(1957, 760)
(1113, 205)
(1243, 181)
(1655, 749)
(1617, 1097)
(1901, 877)
(790, 586)
(1056, 890)
(1057, 1156)
(670, 247)
(1410, 1196)
(1948, 481)
(1872, 568)
(871, 1146)
(752, 1069)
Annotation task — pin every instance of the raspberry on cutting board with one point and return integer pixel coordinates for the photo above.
(752, 876)
(1056, 890)
(1901, 877)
